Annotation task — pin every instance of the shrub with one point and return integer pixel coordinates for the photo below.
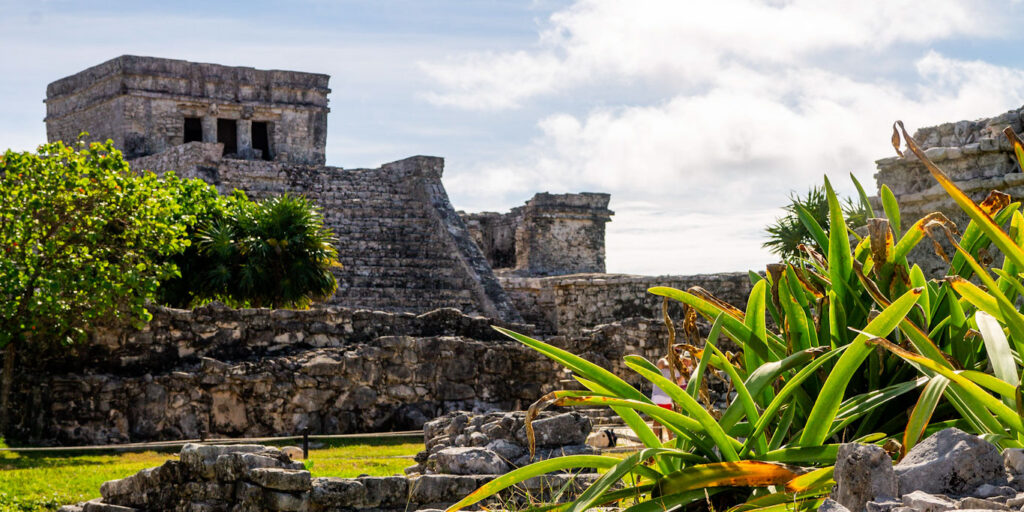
(789, 232)
(84, 241)
(272, 253)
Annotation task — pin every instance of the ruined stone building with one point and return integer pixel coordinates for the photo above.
(408, 334)
(402, 245)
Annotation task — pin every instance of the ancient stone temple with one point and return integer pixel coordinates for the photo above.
(147, 105)
(402, 245)
(407, 337)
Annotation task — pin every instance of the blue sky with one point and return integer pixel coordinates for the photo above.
(698, 117)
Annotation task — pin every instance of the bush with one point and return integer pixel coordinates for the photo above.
(84, 241)
(789, 232)
(273, 253)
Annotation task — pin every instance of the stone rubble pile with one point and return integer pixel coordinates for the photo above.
(950, 470)
(252, 478)
(460, 443)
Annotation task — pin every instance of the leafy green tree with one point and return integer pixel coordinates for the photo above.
(83, 241)
(273, 253)
(788, 232)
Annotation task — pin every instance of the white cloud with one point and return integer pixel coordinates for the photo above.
(688, 43)
(752, 107)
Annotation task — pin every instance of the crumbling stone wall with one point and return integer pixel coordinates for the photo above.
(257, 478)
(552, 234)
(402, 245)
(573, 303)
(141, 104)
(495, 234)
(215, 371)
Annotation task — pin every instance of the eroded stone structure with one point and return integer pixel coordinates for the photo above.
(552, 234)
(147, 105)
(408, 335)
(401, 244)
(256, 478)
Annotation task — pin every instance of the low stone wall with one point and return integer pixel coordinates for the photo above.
(176, 336)
(216, 371)
(573, 303)
(256, 478)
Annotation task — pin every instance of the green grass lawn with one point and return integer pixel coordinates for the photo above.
(31, 482)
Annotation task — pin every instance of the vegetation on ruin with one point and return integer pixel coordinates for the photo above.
(273, 253)
(823, 371)
(85, 242)
(793, 228)
(34, 482)
(88, 242)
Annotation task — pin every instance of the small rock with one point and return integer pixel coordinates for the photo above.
(887, 505)
(507, 450)
(972, 503)
(924, 502)
(863, 473)
(1013, 460)
(831, 505)
(1016, 502)
(293, 452)
(950, 461)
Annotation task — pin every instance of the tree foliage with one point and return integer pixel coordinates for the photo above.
(272, 253)
(788, 232)
(84, 239)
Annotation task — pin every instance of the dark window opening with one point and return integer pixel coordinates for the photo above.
(227, 134)
(261, 139)
(193, 130)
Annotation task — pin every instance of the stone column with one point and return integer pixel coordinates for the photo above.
(245, 138)
(209, 128)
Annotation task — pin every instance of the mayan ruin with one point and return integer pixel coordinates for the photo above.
(655, 257)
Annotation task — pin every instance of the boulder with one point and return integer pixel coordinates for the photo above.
(863, 473)
(950, 461)
(563, 429)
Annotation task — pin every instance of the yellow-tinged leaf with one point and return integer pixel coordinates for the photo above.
(1018, 148)
(813, 480)
(988, 226)
(727, 474)
(994, 202)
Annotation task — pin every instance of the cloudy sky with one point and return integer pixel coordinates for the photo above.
(698, 117)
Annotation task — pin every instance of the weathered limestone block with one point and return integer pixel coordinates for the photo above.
(863, 473)
(924, 502)
(280, 479)
(467, 461)
(949, 462)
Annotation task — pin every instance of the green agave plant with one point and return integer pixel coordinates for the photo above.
(824, 375)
